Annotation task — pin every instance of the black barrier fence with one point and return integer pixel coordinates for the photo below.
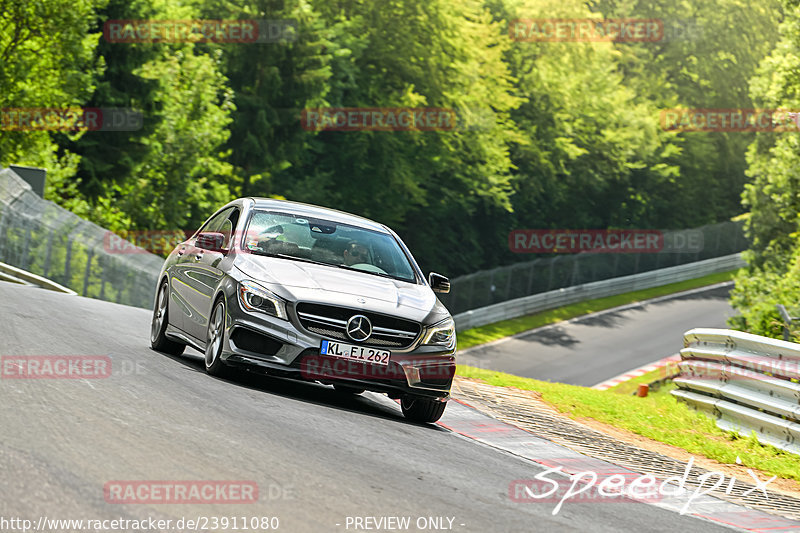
(45, 239)
(543, 274)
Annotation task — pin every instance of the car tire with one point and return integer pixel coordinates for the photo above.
(158, 325)
(422, 410)
(214, 339)
(345, 389)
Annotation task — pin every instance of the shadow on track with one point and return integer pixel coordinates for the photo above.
(295, 389)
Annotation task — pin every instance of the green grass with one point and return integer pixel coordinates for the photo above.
(498, 330)
(658, 416)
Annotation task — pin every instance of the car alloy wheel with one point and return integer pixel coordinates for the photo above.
(158, 327)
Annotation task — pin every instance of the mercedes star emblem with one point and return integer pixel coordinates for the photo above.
(359, 328)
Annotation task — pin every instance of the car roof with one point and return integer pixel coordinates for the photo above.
(314, 211)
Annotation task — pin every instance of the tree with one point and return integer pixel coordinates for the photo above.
(46, 61)
(773, 224)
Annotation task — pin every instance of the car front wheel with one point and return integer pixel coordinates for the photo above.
(422, 410)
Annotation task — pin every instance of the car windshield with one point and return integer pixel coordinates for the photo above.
(321, 241)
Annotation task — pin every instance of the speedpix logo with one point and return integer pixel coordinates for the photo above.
(591, 487)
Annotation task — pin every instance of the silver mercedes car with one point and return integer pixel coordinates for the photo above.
(311, 293)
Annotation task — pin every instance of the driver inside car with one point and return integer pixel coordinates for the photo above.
(355, 253)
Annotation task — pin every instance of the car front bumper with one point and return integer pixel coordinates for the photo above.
(283, 347)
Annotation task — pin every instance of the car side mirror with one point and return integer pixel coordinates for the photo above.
(210, 241)
(438, 282)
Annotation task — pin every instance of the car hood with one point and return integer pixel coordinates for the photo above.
(347, 288)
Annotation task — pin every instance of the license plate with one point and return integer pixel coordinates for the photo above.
(358, 353)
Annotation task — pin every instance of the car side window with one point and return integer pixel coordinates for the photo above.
(215, 222)
(227, 226)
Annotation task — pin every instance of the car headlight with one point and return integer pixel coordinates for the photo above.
(256, 298)
(441, 334)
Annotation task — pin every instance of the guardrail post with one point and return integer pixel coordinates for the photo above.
(89, 256)
(102, 265)
(576, 271)
(530, 278)
(67, 262)
(3, 238)
(787, 321)
(23, 263)
(48, 254)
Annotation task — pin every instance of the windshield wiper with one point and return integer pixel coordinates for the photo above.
(306, 260)
(290, 257)
(373, 273)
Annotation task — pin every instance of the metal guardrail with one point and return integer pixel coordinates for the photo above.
(18, 275)
(598, 289)
(788, 320)
(748, 383)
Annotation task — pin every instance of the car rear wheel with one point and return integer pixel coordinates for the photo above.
(422, 410)
(214, 337)
(158, 327)
(344, 389)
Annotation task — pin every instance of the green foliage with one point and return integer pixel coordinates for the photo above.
(772, 225)
(585, 131)
(550, 134)
(46, 61)
(710, 51)
(184, 176)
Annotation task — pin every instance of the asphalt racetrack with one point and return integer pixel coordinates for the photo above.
(319, 459)
(589, 350)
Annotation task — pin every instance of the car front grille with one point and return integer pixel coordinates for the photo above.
(331, 322)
